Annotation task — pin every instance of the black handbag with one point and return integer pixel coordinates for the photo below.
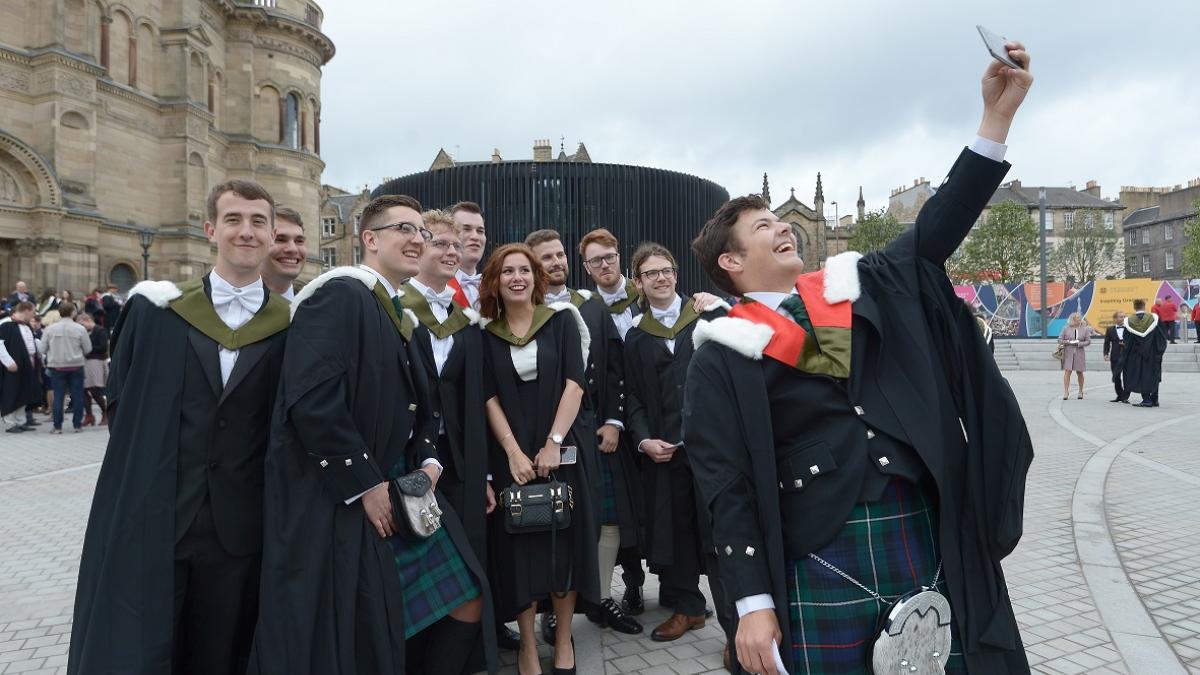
(537, 507)
(415, 504)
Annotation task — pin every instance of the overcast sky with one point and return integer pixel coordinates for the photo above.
(868, 93)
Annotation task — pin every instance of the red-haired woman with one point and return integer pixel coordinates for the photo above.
(534, 358)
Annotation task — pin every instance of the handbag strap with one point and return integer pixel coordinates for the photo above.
(554, 544)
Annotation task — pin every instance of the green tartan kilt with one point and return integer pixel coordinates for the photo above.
(433, 576)
(888, 546)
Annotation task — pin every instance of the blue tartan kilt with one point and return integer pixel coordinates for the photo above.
(433, 576)
(890, 546)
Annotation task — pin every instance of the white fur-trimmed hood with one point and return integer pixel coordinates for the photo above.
(841, 278)
(721, 304)
(367, 278)
(587, 295)
(474, 316)
(1152, 326)
(744, 337)
(158, 292)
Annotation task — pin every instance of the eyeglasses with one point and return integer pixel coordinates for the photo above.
(655, 275)
(600, 260)
(407, 228)
(443, 244)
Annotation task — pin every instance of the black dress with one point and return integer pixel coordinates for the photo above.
(520, 563)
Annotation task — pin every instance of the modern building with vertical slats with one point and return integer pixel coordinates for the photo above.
(573, 195)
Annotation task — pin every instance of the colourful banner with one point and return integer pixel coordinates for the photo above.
(1012, 309)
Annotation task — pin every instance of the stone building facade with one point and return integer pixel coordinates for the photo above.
(1154, 234)
(341, 214)
(817, 237)
(117, 116)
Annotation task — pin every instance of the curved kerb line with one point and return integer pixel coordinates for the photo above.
(1134, 634)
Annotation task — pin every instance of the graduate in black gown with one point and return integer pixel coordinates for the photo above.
(346, 587)
(534, 365)
(854, 441)
(168, 580)
(1145, 344)
(658, 349)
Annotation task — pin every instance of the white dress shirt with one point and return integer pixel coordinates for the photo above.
(470, 286)
(624, 320)
(439, 303)
(561, 296)
(235, 312)
(980, 146)
(667, 317)
(289, 294)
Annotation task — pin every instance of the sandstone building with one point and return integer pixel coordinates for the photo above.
(1155, 235)
(117, 116)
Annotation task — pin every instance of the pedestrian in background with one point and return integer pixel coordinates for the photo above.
(64, 347)
(1074, 339)
(1114, 346)
(95, 370)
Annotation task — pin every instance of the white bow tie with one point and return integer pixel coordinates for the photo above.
(251, 298)
(610, 298)
(664, 315)
(465, 279)
(444, 298)
(561, 296)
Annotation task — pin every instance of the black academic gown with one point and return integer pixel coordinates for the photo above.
(21, 388)
(458, 402)
(933, 369)
(1143, 357)
(654, 390)
(353, 408)
(125, 601)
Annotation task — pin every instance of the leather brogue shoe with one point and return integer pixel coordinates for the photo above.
(618, 620)
(549, 627)
(674, 627)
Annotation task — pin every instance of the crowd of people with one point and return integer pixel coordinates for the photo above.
(382, 470)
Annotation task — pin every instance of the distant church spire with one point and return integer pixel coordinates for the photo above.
(862, 204)
(820, 197)
(766, 191)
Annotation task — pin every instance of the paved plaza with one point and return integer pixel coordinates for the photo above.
(1105, 579)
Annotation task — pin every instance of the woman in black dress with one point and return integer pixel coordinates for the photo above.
(534, 359)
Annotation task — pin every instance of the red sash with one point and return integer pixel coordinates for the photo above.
(460, 296)
(787, 343)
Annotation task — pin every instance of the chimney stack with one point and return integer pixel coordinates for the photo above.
(496, 155)
(1093, 188)
(542, 150)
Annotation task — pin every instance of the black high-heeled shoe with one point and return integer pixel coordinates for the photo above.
(571, 670)
(539, 672)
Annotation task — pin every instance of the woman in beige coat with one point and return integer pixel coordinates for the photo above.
(1074, 339)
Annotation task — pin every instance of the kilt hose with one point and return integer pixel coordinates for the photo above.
(890, 547)
(434, 578)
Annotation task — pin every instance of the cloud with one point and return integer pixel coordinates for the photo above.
(868, 93)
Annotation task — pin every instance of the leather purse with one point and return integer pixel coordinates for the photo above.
(537, 507)
(1060, 353)
(415, 504)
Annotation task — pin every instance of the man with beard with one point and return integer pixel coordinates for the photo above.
(469, 218)
(1145, 344)
(288, 253)
(347, 587)
(603, 400)
(856, 446)
(168, 580)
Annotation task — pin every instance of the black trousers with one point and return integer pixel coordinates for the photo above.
(216, 602)
(1115, 365)
(681, 580)
(723, 604)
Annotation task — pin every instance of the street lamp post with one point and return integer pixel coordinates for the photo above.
(837, 234)
(145, 238)
(1042, 227)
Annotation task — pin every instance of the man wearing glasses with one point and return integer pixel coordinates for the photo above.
(341, 575)
(658, 349)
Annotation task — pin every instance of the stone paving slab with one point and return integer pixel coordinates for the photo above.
(46, 484)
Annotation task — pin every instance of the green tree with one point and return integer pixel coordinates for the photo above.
(875, 231)
(1003, 248)
(1191, 250)
(1089, 250)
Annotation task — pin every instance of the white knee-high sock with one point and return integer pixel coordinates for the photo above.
(608, 546)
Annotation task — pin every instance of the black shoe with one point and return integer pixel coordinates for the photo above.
(1154, 405)
(565, 671)
(1143, 404)
(1125, 401)
(31, 424)
(618, 620)
(17, 429)
(1115, 400)
(507, 638)
(596, 614)
(549, 627)
(633, 603)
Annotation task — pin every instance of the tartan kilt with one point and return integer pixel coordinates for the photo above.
(889, 546)
(608, 496)
(434, 578)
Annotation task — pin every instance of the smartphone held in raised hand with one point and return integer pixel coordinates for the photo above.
(995, 46)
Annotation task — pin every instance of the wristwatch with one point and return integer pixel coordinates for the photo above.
(557, 438)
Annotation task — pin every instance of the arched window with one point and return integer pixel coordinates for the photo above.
(291, 122)
(121, 67)
(123, 276)
(146, 49)
(268, 115)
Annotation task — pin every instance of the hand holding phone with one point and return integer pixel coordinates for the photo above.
(995, 46)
